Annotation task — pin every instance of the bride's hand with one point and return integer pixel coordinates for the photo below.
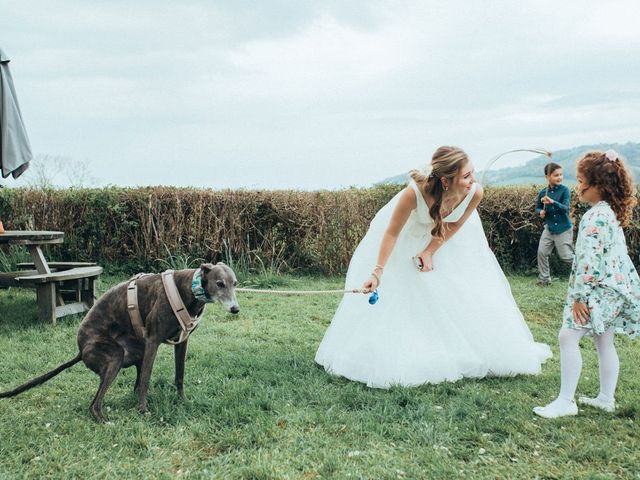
(371, 284)
(427, 261)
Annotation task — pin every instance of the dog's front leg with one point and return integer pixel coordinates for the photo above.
(180, 353)
(150, 351)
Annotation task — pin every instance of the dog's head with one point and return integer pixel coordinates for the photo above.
(220, 282)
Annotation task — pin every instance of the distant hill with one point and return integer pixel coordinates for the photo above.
(531, 172)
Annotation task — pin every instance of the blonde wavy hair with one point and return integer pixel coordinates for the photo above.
(446, 162)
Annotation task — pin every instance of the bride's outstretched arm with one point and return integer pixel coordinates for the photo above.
(450, 229)
(401, 213)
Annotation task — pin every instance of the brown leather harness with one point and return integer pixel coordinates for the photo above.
(187, 323)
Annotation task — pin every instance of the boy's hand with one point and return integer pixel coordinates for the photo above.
(543, 213)
(581, 313)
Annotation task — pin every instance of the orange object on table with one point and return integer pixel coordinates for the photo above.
(1, 228)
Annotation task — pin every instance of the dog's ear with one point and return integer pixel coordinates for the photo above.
(206, 268)
(221, 263)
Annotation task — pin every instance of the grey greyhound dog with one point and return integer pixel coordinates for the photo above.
(110, 338)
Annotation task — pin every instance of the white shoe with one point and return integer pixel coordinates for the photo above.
(560, 407)
(598, 402)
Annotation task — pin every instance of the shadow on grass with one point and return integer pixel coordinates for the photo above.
(19, 311)
(19, 308)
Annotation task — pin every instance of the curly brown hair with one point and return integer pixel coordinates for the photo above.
(613, 180)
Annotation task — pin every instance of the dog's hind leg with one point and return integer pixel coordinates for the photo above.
(180, 354)
(150, 351)
(136, 386)
(106, 360)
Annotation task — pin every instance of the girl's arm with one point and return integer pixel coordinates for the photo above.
(406, 204)
(450, 229)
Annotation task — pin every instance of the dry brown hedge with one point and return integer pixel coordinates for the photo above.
(279, 230)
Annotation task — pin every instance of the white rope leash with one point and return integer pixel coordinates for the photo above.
(301, 292)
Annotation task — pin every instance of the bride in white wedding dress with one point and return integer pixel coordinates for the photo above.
(454, 316)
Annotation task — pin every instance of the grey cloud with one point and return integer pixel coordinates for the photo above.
(351, 91)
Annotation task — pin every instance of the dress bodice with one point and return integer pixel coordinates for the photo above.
(422, 209)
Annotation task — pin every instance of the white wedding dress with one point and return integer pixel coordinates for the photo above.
(459, 320)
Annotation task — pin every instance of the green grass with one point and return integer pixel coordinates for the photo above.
(259, 408)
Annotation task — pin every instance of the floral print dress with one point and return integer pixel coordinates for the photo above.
(603, 276)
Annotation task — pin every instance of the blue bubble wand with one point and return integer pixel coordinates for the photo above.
(373, 298)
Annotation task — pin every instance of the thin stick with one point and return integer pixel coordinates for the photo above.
(546, 194)
(541, 151)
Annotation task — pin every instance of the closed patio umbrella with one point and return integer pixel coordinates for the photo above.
(15, 150)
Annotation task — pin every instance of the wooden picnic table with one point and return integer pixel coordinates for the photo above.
(62, 288)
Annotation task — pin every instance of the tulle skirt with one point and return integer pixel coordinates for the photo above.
(459, 320)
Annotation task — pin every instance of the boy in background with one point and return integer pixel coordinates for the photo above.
(553, 205)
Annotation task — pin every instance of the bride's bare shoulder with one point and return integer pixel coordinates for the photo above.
(408, 198)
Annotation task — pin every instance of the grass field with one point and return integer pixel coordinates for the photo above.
(259, 408)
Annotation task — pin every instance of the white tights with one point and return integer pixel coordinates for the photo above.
(571, 362)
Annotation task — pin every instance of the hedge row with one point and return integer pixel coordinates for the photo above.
(277, 230)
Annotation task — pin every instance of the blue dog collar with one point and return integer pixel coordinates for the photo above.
(196, 287)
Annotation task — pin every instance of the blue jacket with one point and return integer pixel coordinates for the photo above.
(557, 217)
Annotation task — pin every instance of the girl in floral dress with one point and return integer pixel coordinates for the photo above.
(604, 288)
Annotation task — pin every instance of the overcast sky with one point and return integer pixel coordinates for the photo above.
(315, 94)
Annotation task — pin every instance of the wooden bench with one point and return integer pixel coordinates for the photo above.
(62, 292)
(57, 265)
(8, 279)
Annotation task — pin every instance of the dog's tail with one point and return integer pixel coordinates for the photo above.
(42, 378)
